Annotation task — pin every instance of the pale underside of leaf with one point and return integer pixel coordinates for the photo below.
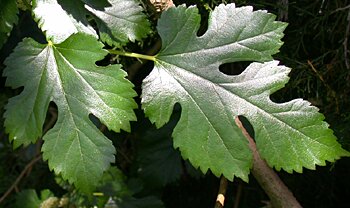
(118, 21)
(121, 22)
(59, 23)
(233, 34)
(289, 135)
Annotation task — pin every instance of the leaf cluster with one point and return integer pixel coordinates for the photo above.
(62, 74)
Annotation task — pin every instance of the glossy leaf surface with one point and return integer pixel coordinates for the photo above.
(118, 21)
(121, 21)
(289, 135)
(59, 19)
(66, 74)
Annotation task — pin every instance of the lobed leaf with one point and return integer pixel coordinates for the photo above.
(67, 75)
(8, 17)
(289, 135)
(118, 21)
(59, 19)
(121, 21)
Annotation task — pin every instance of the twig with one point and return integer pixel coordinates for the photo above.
(329, 89)
(238, 195)
(279, 194)
(220, 200)
(317, 73)
(283, 10)
(48, 126)
(30, 165)
(53, 112)
(345, 43)
(19, 178)
(127, 159)
(340, 9)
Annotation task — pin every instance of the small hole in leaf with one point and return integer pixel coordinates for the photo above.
(204, 22)
(51, 117)
(100, 5)
(233, 68)
(246, 124)
(107, 60)
(175, 116)
(137, 72)
(96, 121)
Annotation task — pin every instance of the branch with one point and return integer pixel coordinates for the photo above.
(273, 186)
(283, 10)
(220, 200)
(29, 166)
(19, 178)
(345, 43)
(341, 9)
(238, 195)
(333, 94)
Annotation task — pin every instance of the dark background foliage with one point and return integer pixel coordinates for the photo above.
(316, 47)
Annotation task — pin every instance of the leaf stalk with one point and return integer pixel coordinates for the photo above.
(278, 192)
(134, 55)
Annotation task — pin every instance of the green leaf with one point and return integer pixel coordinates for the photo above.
(159, 163)
(59, 19)
(289, 135)
(67, 75)
(8, 17)
(118, 21)
(121, 22)
(29, 198)
(113, 183)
